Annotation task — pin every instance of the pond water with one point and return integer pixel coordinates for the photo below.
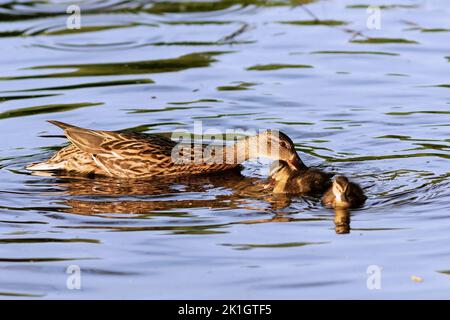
(372, 104)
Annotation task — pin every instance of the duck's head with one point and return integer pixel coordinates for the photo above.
(278, 146)
(280, 171)
(341, 190)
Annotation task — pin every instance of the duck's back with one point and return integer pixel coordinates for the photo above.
(310, 181)
(125, 155)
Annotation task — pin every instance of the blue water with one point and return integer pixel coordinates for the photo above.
(370, 104)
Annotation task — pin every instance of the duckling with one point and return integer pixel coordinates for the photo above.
(287, 180)
(141, 156)
(343, 194)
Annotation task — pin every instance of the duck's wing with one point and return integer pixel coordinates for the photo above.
(121, 154)
(116, 144)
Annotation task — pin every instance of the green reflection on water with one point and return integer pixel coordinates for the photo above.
(356, 52)
(91, 85)
(24, 295)
(384, 40)
(46, 240)
(8, 98)
(159, 8)
(239, 86)
(197, 23)
(193, 60)
(217, 116)
(45, 109)
(15, 33)
(196, 101)
(272, 245)
(434, 30)
(132, 111)
(86, 29)
(200, 43)
(205, 6)
(409, 113)
(293, 123)
(267, 67)
(315, 22)
(35, 260)
(386, 6)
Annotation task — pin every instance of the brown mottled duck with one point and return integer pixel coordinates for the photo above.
(140, 156)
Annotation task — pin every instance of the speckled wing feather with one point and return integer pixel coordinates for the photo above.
(117, 144)
(128, 155)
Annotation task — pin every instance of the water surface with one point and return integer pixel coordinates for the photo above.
(371, 104)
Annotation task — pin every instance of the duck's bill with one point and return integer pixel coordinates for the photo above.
(296, 163)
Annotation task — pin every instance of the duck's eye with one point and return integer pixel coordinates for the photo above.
(284, 144)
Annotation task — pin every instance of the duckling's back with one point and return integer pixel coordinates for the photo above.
(310, 181)
(355, 195)
(314, 181)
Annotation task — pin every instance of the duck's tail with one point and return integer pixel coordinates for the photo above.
(62, 125)
(45, 166)
(51, 165)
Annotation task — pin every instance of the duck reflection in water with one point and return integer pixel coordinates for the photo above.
(342, 220)
(110, 198)
(118, 196)
(341, 215)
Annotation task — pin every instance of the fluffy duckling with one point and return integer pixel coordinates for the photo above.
(304, 181)
(343, 194)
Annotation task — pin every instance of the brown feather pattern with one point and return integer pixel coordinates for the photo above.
(125, 155)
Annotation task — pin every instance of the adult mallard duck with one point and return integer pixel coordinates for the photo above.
(140, 156)
(285, 179)
(343, 194)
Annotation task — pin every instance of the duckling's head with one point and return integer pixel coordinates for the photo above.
(341, 191)
(278, 146)
(280, 170)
